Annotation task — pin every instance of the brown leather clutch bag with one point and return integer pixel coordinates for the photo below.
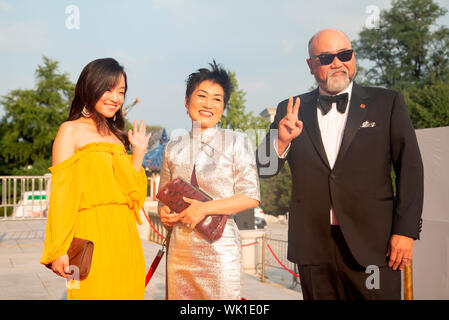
(212, 226)
(80, 255)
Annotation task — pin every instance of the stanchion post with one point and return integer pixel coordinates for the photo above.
(408, 282)
(167, 244)
(264, 243)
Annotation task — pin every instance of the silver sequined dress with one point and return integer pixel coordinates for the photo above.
(224, 166)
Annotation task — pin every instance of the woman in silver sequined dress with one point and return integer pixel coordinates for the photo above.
(225, 168)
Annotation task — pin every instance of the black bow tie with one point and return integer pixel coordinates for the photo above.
(325, 102)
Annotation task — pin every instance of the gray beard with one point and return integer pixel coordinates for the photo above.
(337, 86)
(333, 85)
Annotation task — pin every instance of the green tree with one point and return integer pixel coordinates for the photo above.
(407, 48)
(428, 106)
(275, 192)
(31, 120)
(410, 53)
(235, 116)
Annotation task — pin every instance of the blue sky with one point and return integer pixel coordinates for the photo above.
(160, 42)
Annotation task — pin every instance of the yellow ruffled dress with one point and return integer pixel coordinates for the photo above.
(97, 194)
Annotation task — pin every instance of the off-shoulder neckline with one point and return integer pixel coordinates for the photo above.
(97, 144)
(88, 146)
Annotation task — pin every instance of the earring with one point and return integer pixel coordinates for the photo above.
(113, 119)
(85, 112)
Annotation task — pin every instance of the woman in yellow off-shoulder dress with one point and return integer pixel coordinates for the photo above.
(97, 189)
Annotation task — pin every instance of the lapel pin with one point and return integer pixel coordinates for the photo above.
(362, 106)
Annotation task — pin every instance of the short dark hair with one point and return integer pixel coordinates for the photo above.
(216, 74)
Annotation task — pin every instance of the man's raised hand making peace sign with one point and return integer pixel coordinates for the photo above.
(289, 126)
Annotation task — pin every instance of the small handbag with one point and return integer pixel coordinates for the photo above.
(80, 255)
(212, 226)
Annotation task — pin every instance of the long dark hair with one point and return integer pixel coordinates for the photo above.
(97, 77)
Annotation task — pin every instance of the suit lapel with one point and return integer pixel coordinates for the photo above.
(310, 121)
(356, 115)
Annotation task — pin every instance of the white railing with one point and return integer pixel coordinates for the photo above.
(24, 197)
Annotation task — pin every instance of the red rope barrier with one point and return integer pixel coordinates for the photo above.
(146, 216)
(159, 256)
(296, 275)
(148, 219)
(249, 244)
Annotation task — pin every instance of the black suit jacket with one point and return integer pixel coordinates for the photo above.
(359, 186)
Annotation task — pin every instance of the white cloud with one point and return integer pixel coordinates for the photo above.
(346, 15)
(16, 80)
(179, 8)
(183, 11)
(255, 86)
(289, 45)
(20, 37)
(5, 6)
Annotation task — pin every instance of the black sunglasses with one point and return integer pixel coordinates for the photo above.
(327, 58)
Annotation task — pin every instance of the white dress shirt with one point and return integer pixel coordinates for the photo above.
(332, 126)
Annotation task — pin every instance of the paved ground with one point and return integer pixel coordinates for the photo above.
(22, 277)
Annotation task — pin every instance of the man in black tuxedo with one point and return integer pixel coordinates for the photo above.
(348, 232)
